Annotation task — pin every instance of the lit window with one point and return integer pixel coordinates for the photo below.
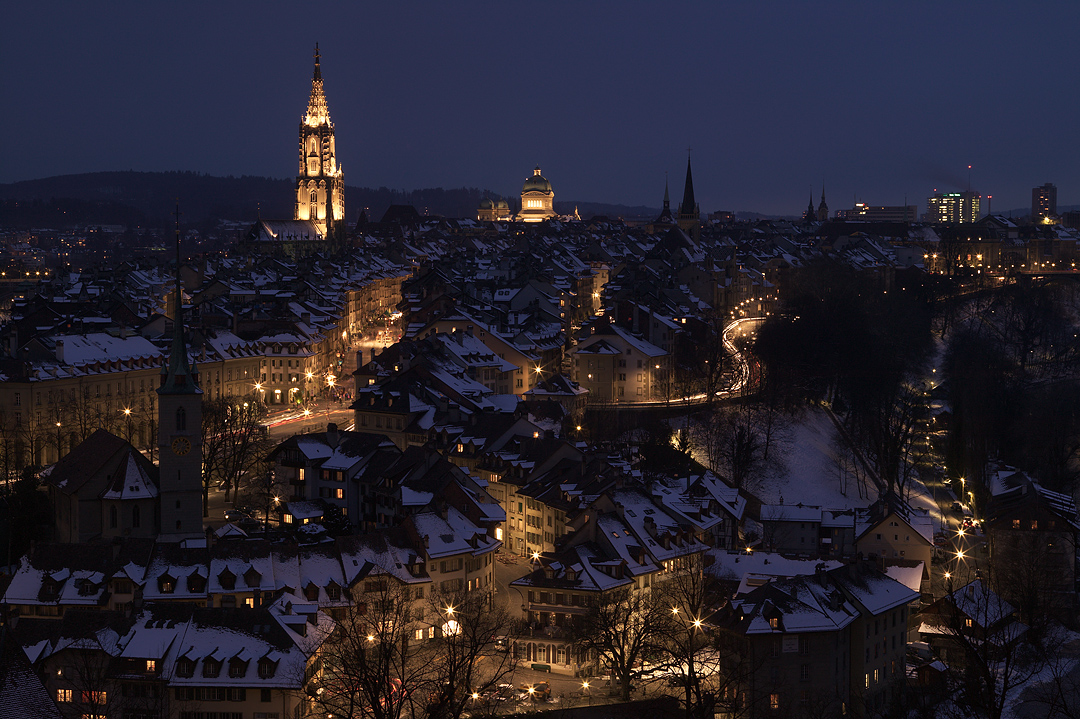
(774, 701)
(63, 695)
(151, 665)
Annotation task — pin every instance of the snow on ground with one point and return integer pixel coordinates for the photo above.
(811, 475)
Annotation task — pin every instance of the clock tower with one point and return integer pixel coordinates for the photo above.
(180, 434)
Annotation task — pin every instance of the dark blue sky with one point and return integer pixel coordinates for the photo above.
(880, 99)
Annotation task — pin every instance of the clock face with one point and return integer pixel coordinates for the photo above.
(181, 446)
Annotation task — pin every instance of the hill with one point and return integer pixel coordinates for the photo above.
(148, 198)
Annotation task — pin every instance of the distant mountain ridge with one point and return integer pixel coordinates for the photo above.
(149, 198)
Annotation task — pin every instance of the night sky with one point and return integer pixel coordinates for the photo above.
(881, 100)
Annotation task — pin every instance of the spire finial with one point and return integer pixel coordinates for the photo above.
(318, 69)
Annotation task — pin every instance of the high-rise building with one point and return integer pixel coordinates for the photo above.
(879, 213)
(1043, 201)
(954, 207)
(320, 186)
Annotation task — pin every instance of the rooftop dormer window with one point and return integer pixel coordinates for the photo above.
(252, 578)
(185, 667)
(227, 579)
(237, 668)
(211, 668)
(166, 584)
(267, 668)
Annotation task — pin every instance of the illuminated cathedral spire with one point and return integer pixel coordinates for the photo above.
(317, 112)
(320, 186)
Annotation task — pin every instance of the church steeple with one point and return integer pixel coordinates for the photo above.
(823, 209)
(810, 215)
(667, 196)
(180, 432)
(320, 186)
(317, 112)
(179, 377)
(689, 212)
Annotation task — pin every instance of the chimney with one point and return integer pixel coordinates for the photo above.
(332, 436)
(60, 350)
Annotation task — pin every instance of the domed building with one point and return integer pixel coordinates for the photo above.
(493, 211)
(537, 199)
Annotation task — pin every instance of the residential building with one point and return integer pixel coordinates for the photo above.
(1043, 201)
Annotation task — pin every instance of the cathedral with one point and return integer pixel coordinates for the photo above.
(320, 186)
(318, 223)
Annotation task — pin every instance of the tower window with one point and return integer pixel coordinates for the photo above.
(181, 419)
(135, 518)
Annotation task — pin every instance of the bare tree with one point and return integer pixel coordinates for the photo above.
(465, 663)
(623, 627)
(370, 664)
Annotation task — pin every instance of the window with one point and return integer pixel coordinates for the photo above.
(151, 665)
(968, 623)
(237, 694)
(877, 676)
(185, 667)
(774, 622)
(211, 668)
(181, 420)
(135, 518)
(804, 673)
(418, 635)
(92, 697)
(266, 695)
(339, 494)
(63, 695)
(1034, 524)
(774, 702)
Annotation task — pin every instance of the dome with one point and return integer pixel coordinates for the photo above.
(536, 183)
(485, 204)
(502, 205)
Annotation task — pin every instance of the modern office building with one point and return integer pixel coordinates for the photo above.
(954, 207)
(880, 213)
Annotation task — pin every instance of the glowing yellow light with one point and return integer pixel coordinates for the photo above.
(449, 610)
(371, 637)
(475, 696)
(675, 610)
(535, 556)
(258, 385)
(584, 685)
(960, 554)
(127, 411)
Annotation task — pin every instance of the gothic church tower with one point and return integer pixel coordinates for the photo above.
(180, 434)
(689, 211)
(320, 186)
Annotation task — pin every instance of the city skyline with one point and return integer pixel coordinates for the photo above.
(865, 100)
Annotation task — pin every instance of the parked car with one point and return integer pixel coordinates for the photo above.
(235, 515)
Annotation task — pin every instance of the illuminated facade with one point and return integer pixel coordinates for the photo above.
(320, 186)
(954, 207)
(537, 199)
(493, 211)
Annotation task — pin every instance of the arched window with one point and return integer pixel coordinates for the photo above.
(314, 197)
(181, 419)
(112, 517)
(135, 519)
